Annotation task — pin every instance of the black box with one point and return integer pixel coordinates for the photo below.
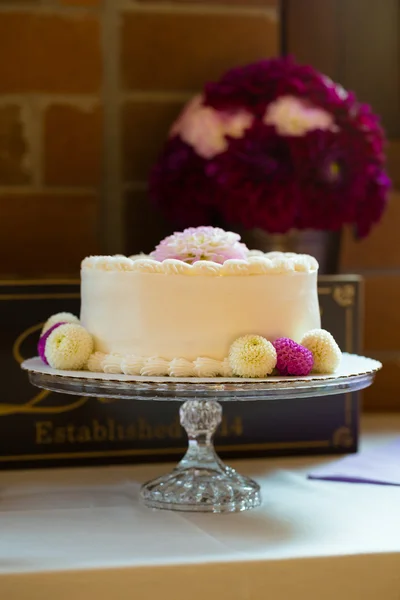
(40, 428)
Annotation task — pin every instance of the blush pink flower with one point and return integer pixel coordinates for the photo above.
(206, 129)
(293, 116)
(201, 243)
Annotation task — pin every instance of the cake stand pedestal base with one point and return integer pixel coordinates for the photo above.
(201, 482)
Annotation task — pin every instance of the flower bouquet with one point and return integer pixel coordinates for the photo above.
(274, 146)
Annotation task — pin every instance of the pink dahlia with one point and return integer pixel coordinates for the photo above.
(201, 243)
(292, 359)
(206, 129)
(293, 116)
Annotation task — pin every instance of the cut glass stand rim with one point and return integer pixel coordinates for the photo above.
(355, 373)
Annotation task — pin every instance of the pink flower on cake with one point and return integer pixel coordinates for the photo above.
(292, 359)
(295, 117)
(201, 243)
(206, 129)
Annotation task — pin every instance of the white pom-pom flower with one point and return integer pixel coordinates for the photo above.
(69, 347)
(252, 356)
(62, 317)
(327, 354)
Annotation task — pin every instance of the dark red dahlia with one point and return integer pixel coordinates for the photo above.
(335, 172)
(180, 187)
(257, 181)
(256, 85)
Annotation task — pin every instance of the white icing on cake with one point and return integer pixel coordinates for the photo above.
(155, 367)
(158, 312)
(132, 365)
(256, 264)
(208, 367)
(112, 364)
(159, 367)
(180, 367)
(95, 362)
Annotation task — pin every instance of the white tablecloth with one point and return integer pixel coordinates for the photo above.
(80, 534)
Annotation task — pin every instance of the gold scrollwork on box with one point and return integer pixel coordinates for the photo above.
(344, 295)
(343, 437)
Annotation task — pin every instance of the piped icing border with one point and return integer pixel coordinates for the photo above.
(158, 367)
(257, 263)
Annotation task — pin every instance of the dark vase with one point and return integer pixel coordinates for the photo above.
(323, 245)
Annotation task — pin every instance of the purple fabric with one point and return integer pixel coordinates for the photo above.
(380, 466)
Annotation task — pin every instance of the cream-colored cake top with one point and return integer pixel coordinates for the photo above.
(256, 263)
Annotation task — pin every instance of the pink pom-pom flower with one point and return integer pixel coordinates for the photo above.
(292, 359)
(43, 339)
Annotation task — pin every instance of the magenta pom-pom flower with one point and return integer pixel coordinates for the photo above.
(42, 342)
(292, 359)
(273, 145)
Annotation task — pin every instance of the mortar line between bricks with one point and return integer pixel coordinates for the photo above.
(136, 186)
(157, 96)
(112, 234)
(35, 130)
(51, 9)
(29, 190)
(200, 9)
(85, 101)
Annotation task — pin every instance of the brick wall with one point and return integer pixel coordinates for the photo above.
(88, 89)
(51, 77)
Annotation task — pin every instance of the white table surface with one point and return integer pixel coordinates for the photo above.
(81, 534)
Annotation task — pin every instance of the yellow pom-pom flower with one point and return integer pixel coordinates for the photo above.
(252, 356)
(62, 317)
(327, 354)
(69, 347)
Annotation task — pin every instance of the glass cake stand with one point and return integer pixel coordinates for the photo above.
(201, 481)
